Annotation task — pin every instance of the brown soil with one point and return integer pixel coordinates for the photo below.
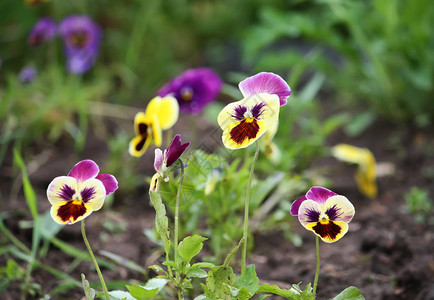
(385, 254)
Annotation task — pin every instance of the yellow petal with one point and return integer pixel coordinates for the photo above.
(329, 233)
(92, 193)
(339, 206)
(141, 123)
(139, 145)
(366, 184)
(166, 109)
(156, 131)
(69, 212)
(228, 119)
(62, 188)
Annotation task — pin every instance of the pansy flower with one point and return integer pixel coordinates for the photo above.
(193, 89)
(270, 149)
(324, 212)
(82, 191)
(163, 160)
(81, 37)
(44, 30)
(366, 166)
(161, 114)
(244, 121)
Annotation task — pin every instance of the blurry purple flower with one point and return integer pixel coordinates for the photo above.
(44, 30)
(82, 37)
(193, 89)
(27, 74)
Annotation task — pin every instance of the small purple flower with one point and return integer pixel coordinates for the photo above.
(27, 74)
(44, 30)
(164, 160)
(193, 89)
(82, 38)
(82, 192)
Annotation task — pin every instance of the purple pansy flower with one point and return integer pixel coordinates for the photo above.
(324, 212)
(164, 160)
(82, 38)
(193, 89)
(27, 74)
(82, 191)
(44, 30)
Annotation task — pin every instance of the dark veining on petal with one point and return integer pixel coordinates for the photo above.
(239, 112)
(66, 192)
(312, 215)
(143, 128)
(257, 110)
(87, 194)
(333, 212)
(140, 144)
(244, 130)
(71, 210)
(329, 230)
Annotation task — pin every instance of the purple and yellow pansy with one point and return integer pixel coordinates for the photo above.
(81, 192)
(244, 121)
(161, 114)
(324, 212)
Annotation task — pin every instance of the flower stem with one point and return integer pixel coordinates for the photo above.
(175, 242)
(246, 210)
(83, 233)
(315, 282)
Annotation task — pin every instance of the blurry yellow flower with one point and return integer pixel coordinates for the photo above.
(270, 149)
(366, 171)
(161, 114)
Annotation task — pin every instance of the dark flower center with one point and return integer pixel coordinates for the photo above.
(71, 209)
(247, 129)
(327, 229)
(187, 94)
(78, 39)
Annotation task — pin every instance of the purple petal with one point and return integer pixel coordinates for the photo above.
(239, 112)
(175, 150)
(296, 205)
(27, 74)
(80, 32)
(66, 193)
(109, 181)
(87, 194)
(84, 170)
(265, 82)
(80, 62)
(319, 194)
(44, 30)
(193, 89)
(158, 160)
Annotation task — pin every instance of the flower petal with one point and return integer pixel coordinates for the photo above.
(158, 160)
(84, 170)
(109, 181)
(156, 131)
(166, 109)
(309, 212)
(92, 193)
(141, 123)
(69, 212)
(339, 208)
(139, 145)
(319, 194)
(296, 205)
(265, 82)
(330, 232)
(242, 133)
(62, 188)
(175, 150)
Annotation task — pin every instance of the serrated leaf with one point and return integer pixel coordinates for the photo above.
(350, 293)
(249, 280)
(190, 246)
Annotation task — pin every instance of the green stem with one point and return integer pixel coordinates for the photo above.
(83, 233)
(175, 246)
(246, 210)
(315, 282)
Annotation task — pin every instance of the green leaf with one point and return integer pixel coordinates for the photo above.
(274, 289)
(190, 246)
(161, 220)
(141, 293)
(120, 295)
(244, 294)
(196, 272)
(29, 192)
(89, 292)
(228, 258)
(350, 293)
(249, 280)
(219, 280)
